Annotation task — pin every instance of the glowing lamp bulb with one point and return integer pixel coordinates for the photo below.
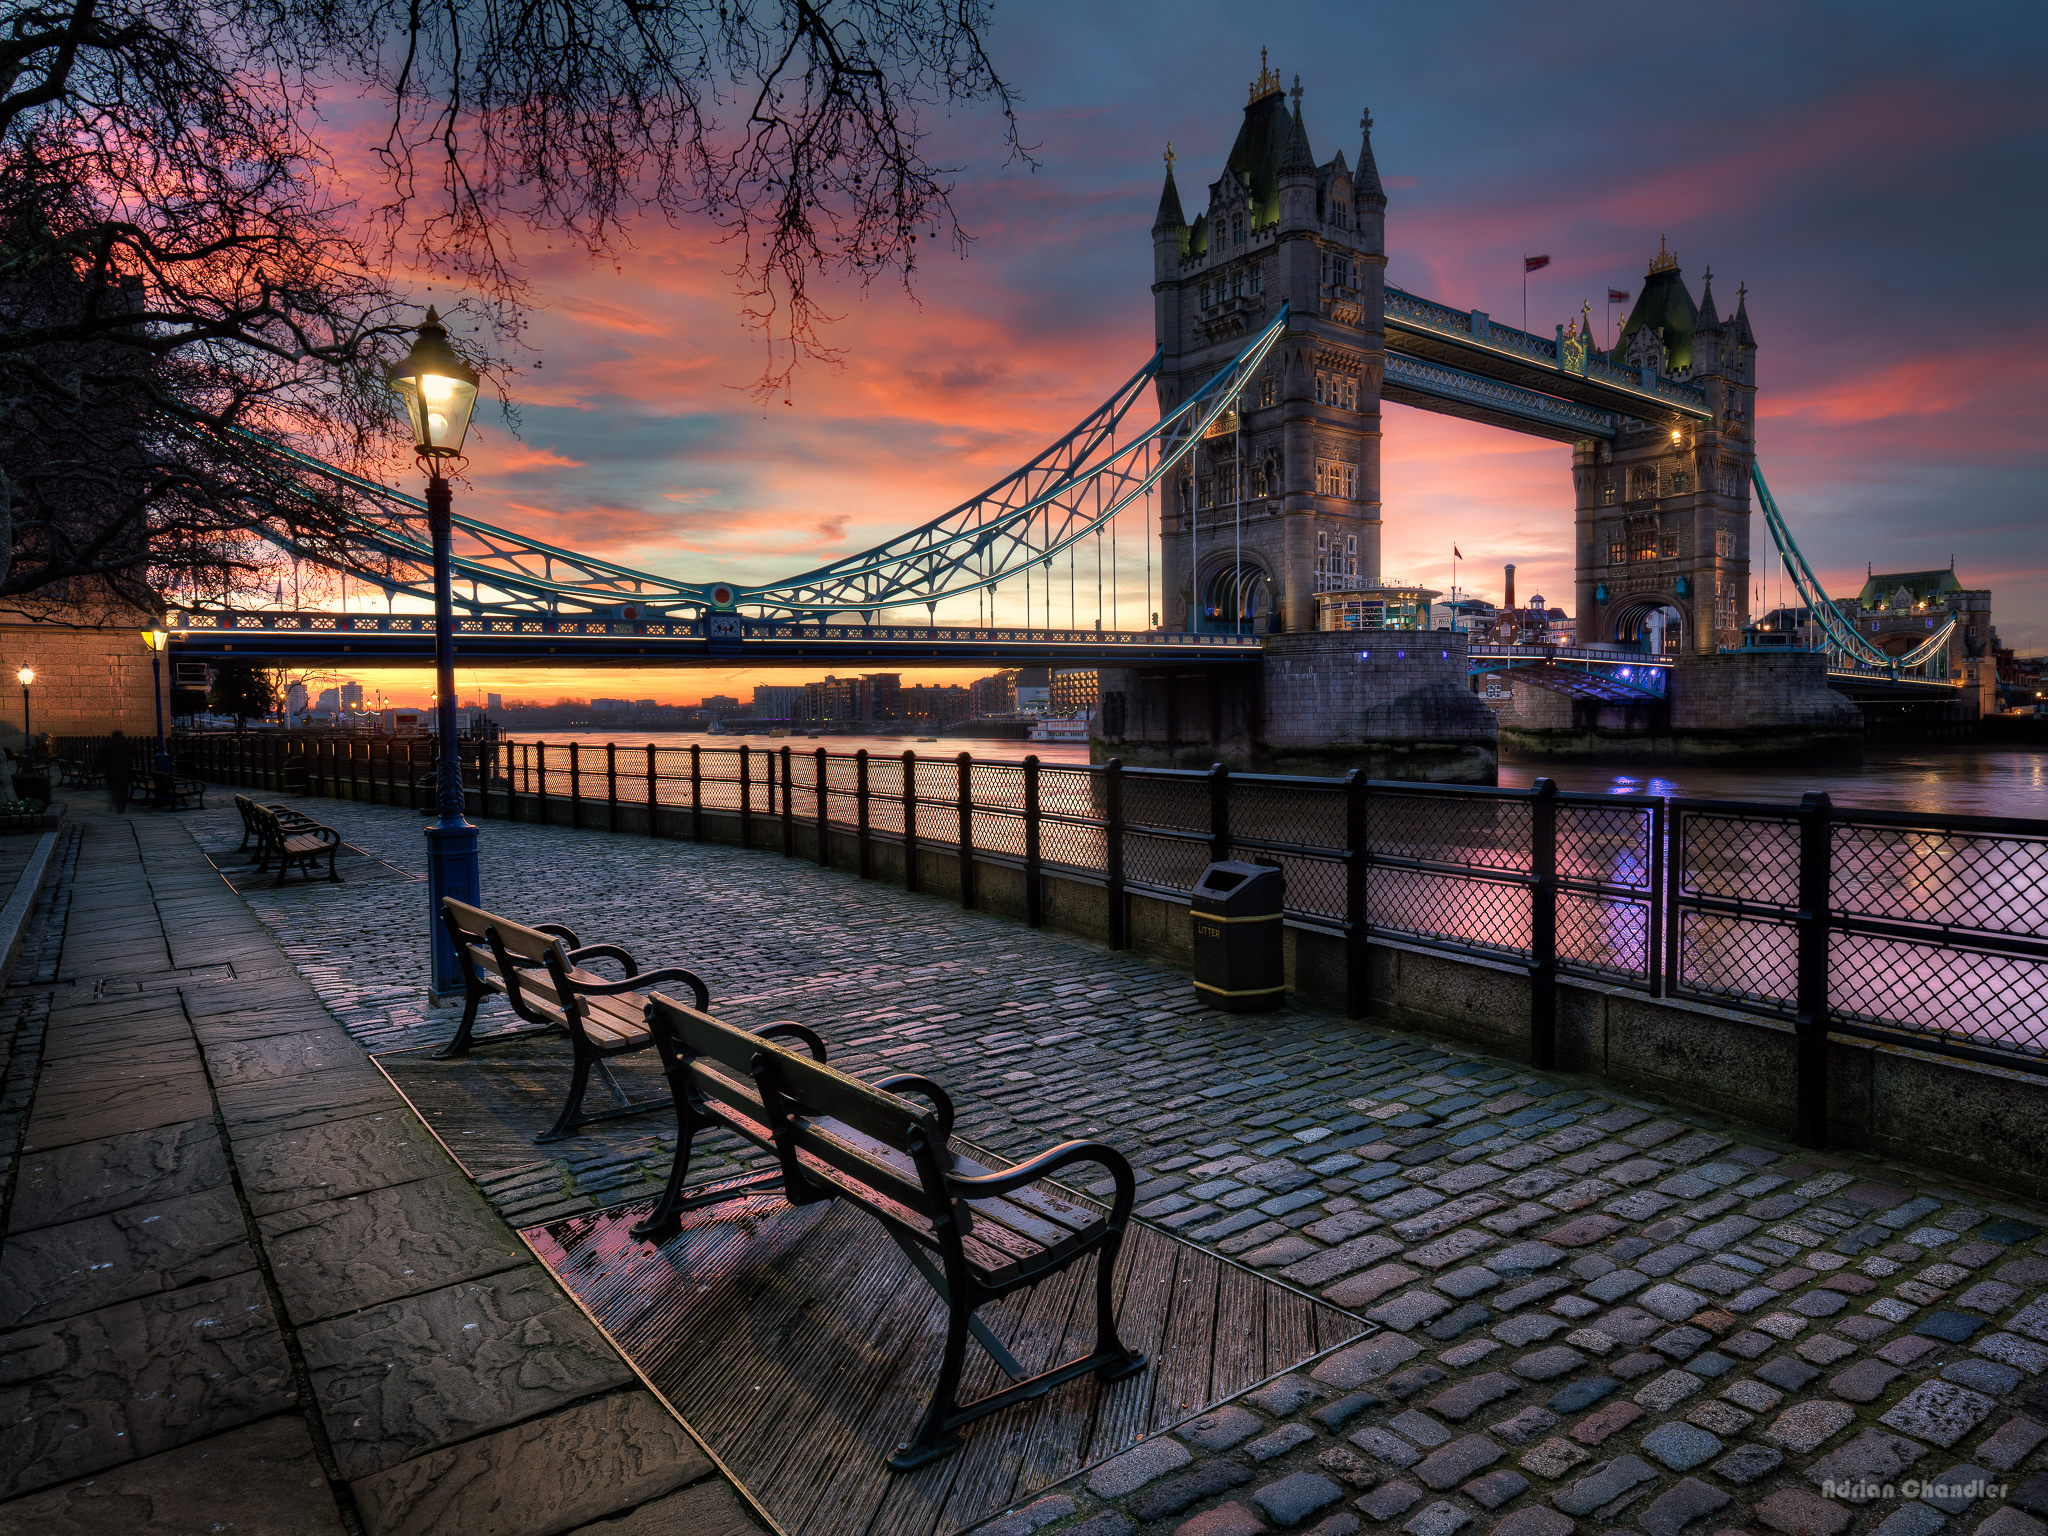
(27, 676)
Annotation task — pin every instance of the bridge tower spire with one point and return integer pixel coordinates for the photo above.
(1285, 503)
(1664, 512)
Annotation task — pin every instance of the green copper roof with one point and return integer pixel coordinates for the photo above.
(1255, 157)
(1665, 307)
(1926, 586)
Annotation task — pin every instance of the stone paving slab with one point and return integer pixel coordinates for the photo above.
(544, 1475)
(263, 1479)
(1704, 1281)
(364, 1249)
(331, 1158)
(78, 1266)
(91, 1178)
(130, 1380)
(415, 1375)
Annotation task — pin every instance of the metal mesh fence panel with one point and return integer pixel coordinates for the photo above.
(1604, 936)
(1746, 858)
(1952, 991)
(1490, 915)
(1315, 887)
(1749, 960)
(1177, 805)
(1448, 829)
(1306, 815)
(1071, 791)
(1073, 845)
(999, 832)
(1606, 844)
(1988, 883)
(1164, 863)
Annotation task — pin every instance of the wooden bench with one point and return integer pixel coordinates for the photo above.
(974, 1233)
(168, 792)
(542, 971)
(80, 773)
(296, 841)
(255, 837)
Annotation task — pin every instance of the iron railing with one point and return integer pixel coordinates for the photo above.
(1928, 931)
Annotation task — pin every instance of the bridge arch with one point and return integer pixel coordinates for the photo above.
(1237, 596)
(1645, 619)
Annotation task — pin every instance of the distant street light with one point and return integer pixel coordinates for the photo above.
(439, 390)
(156, 640)
(27, 675)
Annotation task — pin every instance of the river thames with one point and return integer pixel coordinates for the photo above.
(1953, 780)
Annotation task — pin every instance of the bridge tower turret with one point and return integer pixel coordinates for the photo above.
(1663, 521)
(1282, 501)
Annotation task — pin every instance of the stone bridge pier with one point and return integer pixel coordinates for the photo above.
(1394, 704)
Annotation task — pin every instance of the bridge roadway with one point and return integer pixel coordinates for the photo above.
(721, 638)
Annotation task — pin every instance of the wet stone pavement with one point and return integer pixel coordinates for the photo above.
(1596, 1313)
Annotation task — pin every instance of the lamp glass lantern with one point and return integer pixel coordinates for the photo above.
(439, 390)
(25, 676)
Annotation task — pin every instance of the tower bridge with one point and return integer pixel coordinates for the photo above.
(1277, 340)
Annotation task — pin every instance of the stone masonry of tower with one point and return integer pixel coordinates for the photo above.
(1292, 480)
(1664, 516)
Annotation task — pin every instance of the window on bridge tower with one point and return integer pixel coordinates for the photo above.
(1646, 545)
(1681, 482)
(1608, 493)
(1337, 269)
(1269, 390)
(1642, 482)
(1667, 544)
(1340, 214)
(1237, 283)
(1259, 285)
(1617, 552)
(1208, 294)
(1237, 229)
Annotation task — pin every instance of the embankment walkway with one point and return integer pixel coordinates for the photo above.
(1595, 1312)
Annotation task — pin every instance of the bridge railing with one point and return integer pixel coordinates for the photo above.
(1928, 931)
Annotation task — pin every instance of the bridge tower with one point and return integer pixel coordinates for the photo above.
(1663, 513)
(1283, 500)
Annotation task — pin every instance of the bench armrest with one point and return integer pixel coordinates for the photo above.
(604, 952)
(910, 1082)
(559, 931)
(1036, 1168)
(796, 1032)
(646, 981)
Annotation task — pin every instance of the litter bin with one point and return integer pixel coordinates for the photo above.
(1236, 910)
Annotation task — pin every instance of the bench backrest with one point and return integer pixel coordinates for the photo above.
(513, 953)
(815, 1112)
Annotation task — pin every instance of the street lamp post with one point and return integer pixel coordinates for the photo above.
(439, 390)
(26, 675)
(156, 640)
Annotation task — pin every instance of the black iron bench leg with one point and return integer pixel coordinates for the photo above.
(572, 1107)
(938, 1434)
(1124, 1360)
(665, 1220)
(937, 1281)
(458, 1044)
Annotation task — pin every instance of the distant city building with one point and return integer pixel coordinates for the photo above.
(495, 702)
(328, 701)
(880, 696)
(645, 706)
(995, 695)
(717, 706)
(777, 701)
(936, 705)
(1075, 692)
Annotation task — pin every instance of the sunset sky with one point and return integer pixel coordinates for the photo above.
(1872, 171)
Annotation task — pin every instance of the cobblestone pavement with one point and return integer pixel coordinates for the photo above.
(1596, 1313)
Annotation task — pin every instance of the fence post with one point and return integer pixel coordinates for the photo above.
(1654, 967)
(860, 802)
(576, 785)
(1034, 892)
(1543, 926)
(611, 786)
(540, 763)
(746, 797)
(653, 801)
(1816, 838)
(910, 821)
(788, 814)
(1219, 813)
(966, 845)
(1113, 853)
(697, 791)
(1357, 908)
(824, 851)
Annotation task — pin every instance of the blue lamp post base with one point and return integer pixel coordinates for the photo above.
(451, 871)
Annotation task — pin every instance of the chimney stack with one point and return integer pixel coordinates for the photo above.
(1510, 602)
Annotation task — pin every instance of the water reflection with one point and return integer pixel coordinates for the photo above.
(1956, 782)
